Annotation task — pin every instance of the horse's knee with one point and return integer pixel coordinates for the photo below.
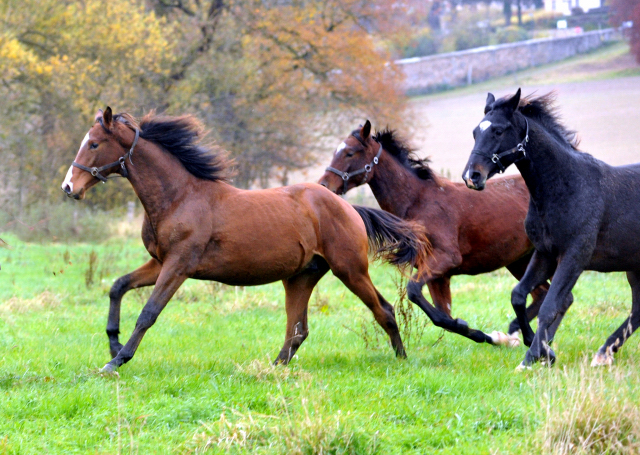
(519, 298)
(146, 319)
(120, 287)
(414, 291)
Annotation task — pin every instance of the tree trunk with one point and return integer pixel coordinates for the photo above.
(520, 13)
(506, 10)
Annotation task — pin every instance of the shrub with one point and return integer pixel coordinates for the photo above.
(511, 34)
(60, 223)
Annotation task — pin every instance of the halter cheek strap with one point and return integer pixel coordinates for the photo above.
(519, 148)
(96, 171)
(366, 169)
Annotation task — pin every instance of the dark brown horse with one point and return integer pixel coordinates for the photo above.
(469, 234)
(198, 226)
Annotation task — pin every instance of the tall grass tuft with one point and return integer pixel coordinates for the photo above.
(588, 411)
(294, 433)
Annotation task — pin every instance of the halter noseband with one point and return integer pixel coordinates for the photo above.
(95, 171)
(366, 169)
(495, 158)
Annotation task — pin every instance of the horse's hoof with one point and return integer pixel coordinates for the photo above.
(522, 367)
(108, 369)
(514, 339)
(602, 360)
(499, 338)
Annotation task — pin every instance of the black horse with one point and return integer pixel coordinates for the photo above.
(583, 213)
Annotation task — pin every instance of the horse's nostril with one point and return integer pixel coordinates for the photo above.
(475, 176)
(323, 184)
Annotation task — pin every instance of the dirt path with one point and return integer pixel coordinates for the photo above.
(605, 113)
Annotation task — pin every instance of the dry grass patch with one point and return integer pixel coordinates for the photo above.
(45, 301)
(590, 411)
(302, 433)
(265, 370)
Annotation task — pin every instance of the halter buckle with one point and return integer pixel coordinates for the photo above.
(345, 176)
(495, 158)
(94, 171)
(367, 168)
(520, 147)
(375, 161)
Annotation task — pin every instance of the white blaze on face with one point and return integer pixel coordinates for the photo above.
(340, 148)
(484, 125)
(84, 141)
(67, 180)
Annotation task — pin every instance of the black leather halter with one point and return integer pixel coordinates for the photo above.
(95, 171)
(495, 158)
(365, 170)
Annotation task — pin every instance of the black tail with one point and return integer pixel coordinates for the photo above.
(397, 241)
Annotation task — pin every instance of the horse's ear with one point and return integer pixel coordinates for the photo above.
(107, 117)
(514, 101)
(99, 114)
(366, 130)
(490, 100)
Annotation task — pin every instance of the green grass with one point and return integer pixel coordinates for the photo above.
(202, 381)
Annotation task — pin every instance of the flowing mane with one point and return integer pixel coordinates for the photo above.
(543, 109)
(404, 154)
(181, 136)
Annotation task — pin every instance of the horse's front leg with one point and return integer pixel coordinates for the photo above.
(145, 275)
(539, 270)
(554, 307)
(169, 280)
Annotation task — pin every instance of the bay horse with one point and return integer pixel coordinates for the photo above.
(197, 225)
(583, 213)
(469, 234)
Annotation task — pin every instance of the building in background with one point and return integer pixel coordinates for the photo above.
(566, 6)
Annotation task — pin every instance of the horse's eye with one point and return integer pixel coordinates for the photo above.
(499, 132)
(349, 154)
(93, 145)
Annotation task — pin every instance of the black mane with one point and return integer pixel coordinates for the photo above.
(405, 155)
(181, 136)
(543, 109)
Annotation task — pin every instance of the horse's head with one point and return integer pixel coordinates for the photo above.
(499, 141)
(101, 153)
(353, 161)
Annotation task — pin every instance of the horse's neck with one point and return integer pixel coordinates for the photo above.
(395, 187)
(158, 178)
(548, 168)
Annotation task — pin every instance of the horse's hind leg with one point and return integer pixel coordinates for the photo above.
(143, 276)
(360, 284)
(604, 356)
(437, 315)
(298, 290)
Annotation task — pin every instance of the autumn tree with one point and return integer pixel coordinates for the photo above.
(275, 78)
(59, 62)
(271, 79)
(629, 10)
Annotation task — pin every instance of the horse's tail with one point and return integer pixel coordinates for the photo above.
(400, 242)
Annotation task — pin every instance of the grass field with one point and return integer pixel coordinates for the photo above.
(202, 379)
